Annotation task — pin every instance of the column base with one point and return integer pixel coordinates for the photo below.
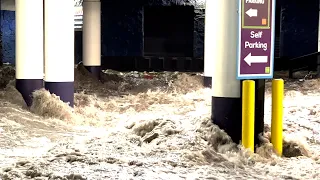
(95, 71)
(63, 89)
(226, 113)
(207, 81)
(27, 86)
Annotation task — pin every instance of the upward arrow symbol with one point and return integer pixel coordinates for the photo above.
(252, 12)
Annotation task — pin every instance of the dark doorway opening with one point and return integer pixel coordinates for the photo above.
(168, 31)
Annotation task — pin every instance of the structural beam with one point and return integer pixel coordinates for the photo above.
(222, 40)
(59, 48)
(91, 35)
(29, 47)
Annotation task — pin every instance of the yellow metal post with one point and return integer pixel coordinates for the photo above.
(277, 114)
(248, 108)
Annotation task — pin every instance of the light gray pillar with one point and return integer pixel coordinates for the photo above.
(91, 35)
(29, 47)
(59, 48)
(226, 101)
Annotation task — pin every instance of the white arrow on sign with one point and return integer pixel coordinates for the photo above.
(249, 59)
(252, 12)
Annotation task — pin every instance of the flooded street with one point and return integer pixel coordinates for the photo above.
(147, 126)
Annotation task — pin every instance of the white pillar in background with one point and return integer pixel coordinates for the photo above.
(59, 48)
(209, 28)
(223, 37)
(29, 47)
(91, 36)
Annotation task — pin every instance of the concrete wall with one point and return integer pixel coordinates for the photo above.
(121, 29)
(299, 27)
(7, 27)
(7, 5)
(122, 26)
(125, 38)
(122, 22)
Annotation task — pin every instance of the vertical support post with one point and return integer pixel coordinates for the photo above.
(259, 109)
(29, 47)
(277, 114)
(248, 115)
(91, 35)
(208, 53)
(226, 101)
(59, 48)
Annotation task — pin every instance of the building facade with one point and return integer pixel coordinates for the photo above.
(169, 34)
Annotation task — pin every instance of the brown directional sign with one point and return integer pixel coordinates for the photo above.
(256, 39)
(256, 14)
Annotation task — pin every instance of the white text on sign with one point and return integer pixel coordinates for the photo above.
(256, 45)
(256, 34)
(255, 1)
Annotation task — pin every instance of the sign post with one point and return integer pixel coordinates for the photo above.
(256, 39)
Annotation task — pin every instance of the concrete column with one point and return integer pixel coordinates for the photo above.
(29, 47)
(209, 29)
(59, 48)
(226, 101)
(91, 35)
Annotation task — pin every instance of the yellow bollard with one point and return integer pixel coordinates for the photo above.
(248, 108)
(277, 114)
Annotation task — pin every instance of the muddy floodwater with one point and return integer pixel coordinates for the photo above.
(148, 126)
